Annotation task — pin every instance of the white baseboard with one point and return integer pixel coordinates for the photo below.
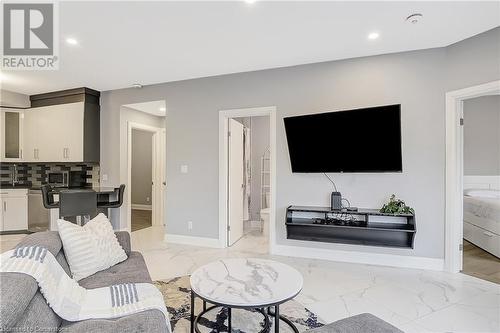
(141, 207)
(393, 260)
(192, 240)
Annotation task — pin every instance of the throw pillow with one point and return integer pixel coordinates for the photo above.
(91, 248)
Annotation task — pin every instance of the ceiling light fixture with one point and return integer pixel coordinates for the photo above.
(136, 85)
(163, 109)
(250, 2)
(414, 18)
(373, 35)
(71, 41)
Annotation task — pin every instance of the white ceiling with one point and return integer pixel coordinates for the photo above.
(156, 108)
(121, 43)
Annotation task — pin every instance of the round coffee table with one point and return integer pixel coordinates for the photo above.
(245, 283)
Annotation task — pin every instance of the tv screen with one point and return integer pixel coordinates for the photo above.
(361, 140)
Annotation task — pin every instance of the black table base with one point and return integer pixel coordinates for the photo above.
(265, 311)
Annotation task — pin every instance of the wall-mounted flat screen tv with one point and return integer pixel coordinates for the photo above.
(361, 140)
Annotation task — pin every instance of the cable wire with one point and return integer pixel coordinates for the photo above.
(333, 183)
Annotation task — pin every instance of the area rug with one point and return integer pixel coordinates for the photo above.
(176, 293)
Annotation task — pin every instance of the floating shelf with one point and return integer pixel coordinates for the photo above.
(361, 227)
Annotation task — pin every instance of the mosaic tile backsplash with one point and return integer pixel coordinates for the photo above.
(36, 173)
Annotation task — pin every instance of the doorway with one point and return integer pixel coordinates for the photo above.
(156, 185)
(143, 126)
(481, 182)
(247, 177)
(141, 178)
(455, 180)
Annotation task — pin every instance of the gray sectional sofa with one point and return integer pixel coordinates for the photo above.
(24, 309)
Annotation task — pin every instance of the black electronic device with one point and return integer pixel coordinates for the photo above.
(361, 140)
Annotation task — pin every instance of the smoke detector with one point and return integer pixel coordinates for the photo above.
(137, 85)
(414, 18)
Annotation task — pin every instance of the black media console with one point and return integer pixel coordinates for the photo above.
(361, 227)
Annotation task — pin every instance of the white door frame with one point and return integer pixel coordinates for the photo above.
(158, 174)
(224, 116)
(454, 170)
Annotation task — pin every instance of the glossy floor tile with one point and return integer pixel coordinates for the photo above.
(8, 242)
(413, 300)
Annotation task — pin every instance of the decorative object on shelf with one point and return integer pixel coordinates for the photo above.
(396, 206)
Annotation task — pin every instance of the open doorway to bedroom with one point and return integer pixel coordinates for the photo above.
(481, 183)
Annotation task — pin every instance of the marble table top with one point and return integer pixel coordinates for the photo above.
(246, 282)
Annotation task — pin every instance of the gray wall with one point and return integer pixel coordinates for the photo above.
(418, 80)
(142, 154)
(482, 136)
(9, 98)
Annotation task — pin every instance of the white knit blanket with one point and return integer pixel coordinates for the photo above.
(71, 301)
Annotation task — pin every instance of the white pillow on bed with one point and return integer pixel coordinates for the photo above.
(91, 248)
(482, 193)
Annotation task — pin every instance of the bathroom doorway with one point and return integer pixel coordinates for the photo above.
(247, 189)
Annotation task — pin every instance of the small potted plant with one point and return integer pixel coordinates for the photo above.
(396, 206)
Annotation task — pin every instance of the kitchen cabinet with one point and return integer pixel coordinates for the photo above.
(55, 133)
(62, 126)
(14, 209)
(11, 134)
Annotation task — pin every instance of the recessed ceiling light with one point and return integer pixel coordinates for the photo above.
(163, 109)
(71, 41)
(136, 85)
(373, 35)
(414, 18)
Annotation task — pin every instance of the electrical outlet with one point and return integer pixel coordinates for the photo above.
(147, 199)
(190, 225)
(104, 177)
(184, 169)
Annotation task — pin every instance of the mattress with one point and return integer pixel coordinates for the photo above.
(483, 213)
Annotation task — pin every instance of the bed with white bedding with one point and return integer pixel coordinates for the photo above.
(482, 219)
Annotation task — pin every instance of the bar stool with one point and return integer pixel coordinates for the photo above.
(48, 197)
(114, 204)
(78, 203)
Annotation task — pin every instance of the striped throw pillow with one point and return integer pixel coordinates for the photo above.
(91, 248)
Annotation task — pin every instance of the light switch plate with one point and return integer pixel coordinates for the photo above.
(104, 177)
(184, 169)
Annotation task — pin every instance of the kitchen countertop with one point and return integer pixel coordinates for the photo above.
(98, 189)
(11, 187)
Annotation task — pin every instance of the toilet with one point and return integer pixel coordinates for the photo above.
(264, 217)
(264, 214)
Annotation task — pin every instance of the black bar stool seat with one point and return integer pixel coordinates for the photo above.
(48, 197)
(114, 204)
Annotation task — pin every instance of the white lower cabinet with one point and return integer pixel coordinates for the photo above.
(14, 209)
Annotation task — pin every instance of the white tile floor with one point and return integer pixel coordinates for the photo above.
(413, 300)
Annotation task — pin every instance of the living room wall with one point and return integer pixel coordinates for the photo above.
(417, 80)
